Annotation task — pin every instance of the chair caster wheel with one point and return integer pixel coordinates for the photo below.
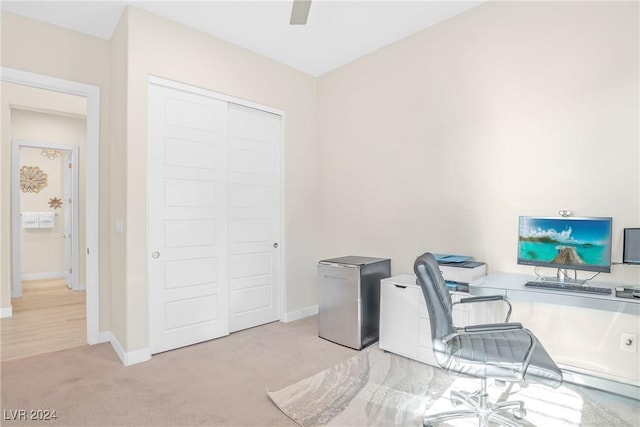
(519, 414)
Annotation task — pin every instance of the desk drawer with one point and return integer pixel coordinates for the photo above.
(399, 318)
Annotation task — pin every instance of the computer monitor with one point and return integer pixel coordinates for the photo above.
(631, 246)
(565, 242)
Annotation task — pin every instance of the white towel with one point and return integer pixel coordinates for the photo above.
(30, 219)
(45, 219)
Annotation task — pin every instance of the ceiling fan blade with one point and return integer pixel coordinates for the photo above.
(300, 12)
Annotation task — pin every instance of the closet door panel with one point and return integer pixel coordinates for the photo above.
(187, 218)
(254, 217)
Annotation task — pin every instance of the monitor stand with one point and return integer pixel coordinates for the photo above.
(562, 276)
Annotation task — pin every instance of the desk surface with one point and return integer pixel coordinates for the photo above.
(512, 285)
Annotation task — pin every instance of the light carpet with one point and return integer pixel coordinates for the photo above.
(376, 388)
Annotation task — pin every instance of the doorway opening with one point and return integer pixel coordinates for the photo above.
(87, 252)
(48, 297)
(46, 211)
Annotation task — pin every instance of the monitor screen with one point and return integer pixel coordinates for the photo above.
(568, 243)
(631, 246)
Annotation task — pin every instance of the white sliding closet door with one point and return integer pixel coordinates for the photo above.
(187, 218)
(254, 217)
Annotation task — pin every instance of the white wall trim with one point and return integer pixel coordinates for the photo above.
(92, 93)
(283, 228)
(127, 358)
(212, 93)
(6, 311)
(300, 314)
(584, 378)
(104, 336)
(43, 276)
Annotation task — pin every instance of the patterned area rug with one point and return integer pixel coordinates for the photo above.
(375, 388)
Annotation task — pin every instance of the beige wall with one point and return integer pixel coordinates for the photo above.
(118, 200)
(434, 143)
(162, 48)
(43, 249)
(440, 141)
(53, 51)
(144, 44)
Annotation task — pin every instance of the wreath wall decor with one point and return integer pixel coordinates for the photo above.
(32, 179)
(51, 154)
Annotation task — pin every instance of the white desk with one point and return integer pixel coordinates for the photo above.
(404, 320)
(512, 285)
(583, 333)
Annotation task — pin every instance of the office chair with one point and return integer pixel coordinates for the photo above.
(506, 352)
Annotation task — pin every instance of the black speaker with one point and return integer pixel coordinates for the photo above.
(631, 249)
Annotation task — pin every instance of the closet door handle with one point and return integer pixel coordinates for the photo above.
(275, 245)
(155, 255)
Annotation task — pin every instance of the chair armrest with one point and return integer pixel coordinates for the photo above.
(482, 298)
(487, 298)
(493, 327)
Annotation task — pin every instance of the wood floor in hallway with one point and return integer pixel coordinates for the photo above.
(48, 317)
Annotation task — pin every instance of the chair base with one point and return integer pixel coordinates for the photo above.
(480, 408)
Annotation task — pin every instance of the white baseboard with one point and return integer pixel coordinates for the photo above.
(104, 336)
(43, 276)
(572, 375)
(127, 358)
(80, 287)
(6, 311)
(299, 314)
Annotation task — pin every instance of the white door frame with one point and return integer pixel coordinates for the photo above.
(70, 179)
(92, 94)
(282, 289)
(16, 270)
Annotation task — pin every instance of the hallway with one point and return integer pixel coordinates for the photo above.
(48, 317)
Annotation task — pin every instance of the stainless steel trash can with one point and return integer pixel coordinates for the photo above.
(349, 299)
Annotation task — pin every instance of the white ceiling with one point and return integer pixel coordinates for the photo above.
(336, 33)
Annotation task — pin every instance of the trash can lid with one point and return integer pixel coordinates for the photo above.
(354, 260)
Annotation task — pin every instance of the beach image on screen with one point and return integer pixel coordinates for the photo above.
(563, 241)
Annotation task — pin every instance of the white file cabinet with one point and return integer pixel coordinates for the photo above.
(404, 320)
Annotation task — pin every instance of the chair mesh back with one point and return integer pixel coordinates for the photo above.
(437, 297)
